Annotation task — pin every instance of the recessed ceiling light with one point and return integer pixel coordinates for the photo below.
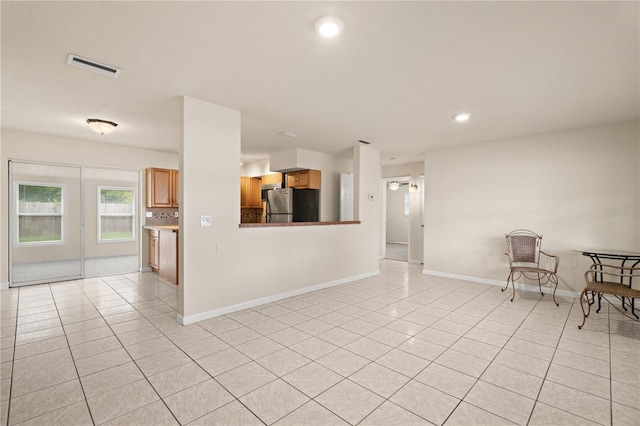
(462, 117)
(329, 26)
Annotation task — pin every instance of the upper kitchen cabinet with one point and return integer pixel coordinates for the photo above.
(304, 179)
(250, 192)
(272, 179)
(162, 187)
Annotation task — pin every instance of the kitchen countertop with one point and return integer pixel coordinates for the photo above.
(289, 224)
(174, 228)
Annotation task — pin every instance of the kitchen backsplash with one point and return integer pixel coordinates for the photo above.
(161, 216)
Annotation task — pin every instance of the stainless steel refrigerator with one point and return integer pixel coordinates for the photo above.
(293, 205)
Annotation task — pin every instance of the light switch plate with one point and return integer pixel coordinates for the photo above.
(205, 220)
(148, 214)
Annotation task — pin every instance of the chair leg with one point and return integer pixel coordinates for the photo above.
(540, 285)
(584, 314)
(508, 278)
(554, 279)
(513, 286)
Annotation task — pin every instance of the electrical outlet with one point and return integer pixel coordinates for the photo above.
(175, 214)
(205, 220)
(148, 214)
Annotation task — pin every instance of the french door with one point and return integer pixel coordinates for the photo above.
(46, 223)
(68, 222)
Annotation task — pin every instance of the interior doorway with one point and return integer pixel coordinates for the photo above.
(397, 218)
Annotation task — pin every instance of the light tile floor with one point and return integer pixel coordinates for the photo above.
(400, 348)
(396, 251)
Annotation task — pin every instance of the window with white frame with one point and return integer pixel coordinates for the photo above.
(116, 214)
(40, 209)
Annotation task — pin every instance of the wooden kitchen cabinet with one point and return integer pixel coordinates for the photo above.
(162, 187)
(154, 250)
(163, 253)
(176, 188)
(304, 179)
(272, 178)
(168, 258)
(250, 192)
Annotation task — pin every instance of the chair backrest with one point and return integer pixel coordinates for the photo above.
(523, 247)
(614, 274)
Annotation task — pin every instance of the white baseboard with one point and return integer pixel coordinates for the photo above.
(4, 286)
(268, 299)
(519, 286)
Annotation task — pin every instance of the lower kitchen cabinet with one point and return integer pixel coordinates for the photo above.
(168, 256)
(163, 253)
(154, 250)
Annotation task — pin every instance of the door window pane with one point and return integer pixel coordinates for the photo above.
(40, 213)
(116, 214)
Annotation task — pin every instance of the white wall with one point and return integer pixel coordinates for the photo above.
(225, 266)
(17, 145)
(578, 188)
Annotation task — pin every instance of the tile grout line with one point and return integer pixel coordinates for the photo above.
(396, 347)
(495, 356)
(69, 346)
(314, 361)
(610, 364)
(125, 349)
(544, 379)
(13, 357)
(75, 366)
(187, 355)
(391, 290)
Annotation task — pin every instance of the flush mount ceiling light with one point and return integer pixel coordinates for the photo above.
(394, 185)
(413, 187)
(329, 26)
(101, 126)
(462, 117)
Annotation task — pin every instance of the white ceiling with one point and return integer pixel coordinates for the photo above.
(394, 77)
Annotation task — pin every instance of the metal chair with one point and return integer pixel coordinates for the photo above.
(609, 279)
(526, 259)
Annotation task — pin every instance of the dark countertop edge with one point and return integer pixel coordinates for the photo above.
(294, 224)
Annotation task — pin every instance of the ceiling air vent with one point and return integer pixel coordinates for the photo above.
(94, 66)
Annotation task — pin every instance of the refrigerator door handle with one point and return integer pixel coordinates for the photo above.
(268, 207)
